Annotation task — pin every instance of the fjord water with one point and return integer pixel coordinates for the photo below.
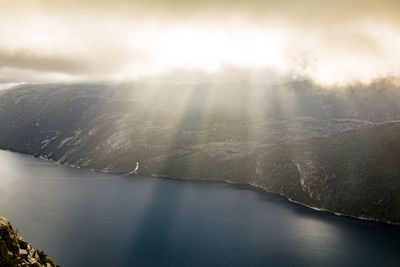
(84, 218)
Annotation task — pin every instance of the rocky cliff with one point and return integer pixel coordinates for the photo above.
(15, 251)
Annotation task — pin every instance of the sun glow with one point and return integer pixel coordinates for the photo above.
(43, 45)
(210, 48)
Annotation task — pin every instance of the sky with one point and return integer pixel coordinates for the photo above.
(329, 42)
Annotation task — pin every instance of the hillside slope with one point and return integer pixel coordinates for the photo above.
(355, 173)
(311, 151)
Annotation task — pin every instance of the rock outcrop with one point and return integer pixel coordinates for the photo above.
(15, 251)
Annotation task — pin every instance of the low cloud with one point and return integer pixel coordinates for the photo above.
(326, 41)
(25, 59)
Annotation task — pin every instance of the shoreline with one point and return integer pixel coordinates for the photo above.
(248, 185)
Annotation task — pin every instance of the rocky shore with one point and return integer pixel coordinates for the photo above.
(15, 251)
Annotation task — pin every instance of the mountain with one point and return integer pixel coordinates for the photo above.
(331, 149)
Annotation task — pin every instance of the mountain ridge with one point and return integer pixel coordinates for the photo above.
(346, 165)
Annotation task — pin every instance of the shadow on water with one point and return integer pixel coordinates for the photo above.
(149, 243)
(146, 221)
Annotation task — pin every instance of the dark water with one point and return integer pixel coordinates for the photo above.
(82, 218)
